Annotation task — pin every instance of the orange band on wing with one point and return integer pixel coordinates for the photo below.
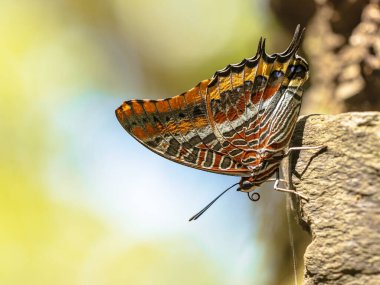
(149, 107)
(139, 132)
(162, 106)
(137, 108)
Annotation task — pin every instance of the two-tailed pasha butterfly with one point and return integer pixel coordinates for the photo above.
(239, 122)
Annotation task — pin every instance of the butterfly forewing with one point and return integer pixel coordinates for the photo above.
(177, 129)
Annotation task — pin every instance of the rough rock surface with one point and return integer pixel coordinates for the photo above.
(342, 46)
(342, 183)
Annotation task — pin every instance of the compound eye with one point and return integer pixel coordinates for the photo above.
(245, 185)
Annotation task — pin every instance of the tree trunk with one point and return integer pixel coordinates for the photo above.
(342, 45)
(342, 183)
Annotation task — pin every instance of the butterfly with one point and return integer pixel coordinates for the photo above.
(239, 122)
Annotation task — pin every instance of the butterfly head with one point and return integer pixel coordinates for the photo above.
(247, 184)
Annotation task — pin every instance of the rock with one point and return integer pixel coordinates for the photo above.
(342, 184)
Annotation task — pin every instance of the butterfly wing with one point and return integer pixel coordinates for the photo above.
(221, 124)
(254, 104)
(178, 129)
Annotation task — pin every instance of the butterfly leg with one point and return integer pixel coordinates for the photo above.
(277, 182)
(319, 147)
(275, 179)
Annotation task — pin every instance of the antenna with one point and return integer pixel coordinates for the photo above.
(196, 216)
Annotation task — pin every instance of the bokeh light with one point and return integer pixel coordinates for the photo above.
(81, 202)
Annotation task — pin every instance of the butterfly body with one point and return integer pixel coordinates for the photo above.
(239, 122)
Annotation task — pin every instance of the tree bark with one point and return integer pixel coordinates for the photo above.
(342, 183)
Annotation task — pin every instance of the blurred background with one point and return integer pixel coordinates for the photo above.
(81, 202)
